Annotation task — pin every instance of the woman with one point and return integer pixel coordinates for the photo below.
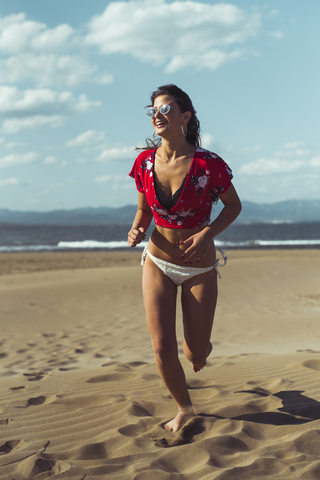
(177, 182)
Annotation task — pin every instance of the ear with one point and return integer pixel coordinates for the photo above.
(186, 117)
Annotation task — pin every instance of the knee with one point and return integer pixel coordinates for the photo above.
(164, 351)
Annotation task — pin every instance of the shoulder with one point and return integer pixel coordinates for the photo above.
(214, 164)
(145, 154)
(210, 159)
(143, 164)
(203, 154)
(144, 160)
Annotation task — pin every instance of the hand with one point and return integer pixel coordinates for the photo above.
(199, 246)
(135, 236)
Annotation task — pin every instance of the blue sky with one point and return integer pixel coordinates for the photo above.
(75, 77)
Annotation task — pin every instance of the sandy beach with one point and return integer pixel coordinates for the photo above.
(81, 397)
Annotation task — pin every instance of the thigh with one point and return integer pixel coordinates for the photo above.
(160, 295)
(198, 300)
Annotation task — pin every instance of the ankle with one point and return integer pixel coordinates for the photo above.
(186, 410)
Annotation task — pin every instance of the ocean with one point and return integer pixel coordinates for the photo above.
(250, 235)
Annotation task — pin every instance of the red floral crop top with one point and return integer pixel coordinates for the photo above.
(208, 173)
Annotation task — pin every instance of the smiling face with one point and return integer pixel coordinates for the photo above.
(170, 123)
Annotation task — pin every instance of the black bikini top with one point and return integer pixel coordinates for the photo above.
(167, 202)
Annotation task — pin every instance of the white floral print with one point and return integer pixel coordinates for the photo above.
(202, 181)
(178, 218)
(209, 176)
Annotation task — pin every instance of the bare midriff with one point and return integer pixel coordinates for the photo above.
(164, 244)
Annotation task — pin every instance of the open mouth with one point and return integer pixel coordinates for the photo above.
(160, 124)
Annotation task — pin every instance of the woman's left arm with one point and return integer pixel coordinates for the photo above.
(200, 242)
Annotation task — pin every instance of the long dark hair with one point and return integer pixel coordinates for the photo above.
(185, 105)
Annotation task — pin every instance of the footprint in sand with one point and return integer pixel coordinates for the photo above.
(93, 451)
(134, 430)
(138, 410)
(65, 369)
(195, 426)
(10, 445)
(41, 464)
(313, 364)
(111, 377)
(34, 377)
(196, 384)
(41, 400)
(79, 350)
(6, 421)
(37, 400)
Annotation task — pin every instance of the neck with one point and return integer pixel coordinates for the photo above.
(175, 148)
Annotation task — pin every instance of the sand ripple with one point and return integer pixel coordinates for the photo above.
(81, 398)
(256, 418)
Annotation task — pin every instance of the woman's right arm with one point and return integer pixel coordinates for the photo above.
(141, 222)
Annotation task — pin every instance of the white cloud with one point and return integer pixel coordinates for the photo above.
(207, 140)
(278, 35)
(291, 159)
(14, 125)
(103, 79)
(211, 60)
(116, 182)
(86, 138)
(13, 181)
(294, 145)
(39, 107)
(105, 179)
(255, 148)
(17, 34)
(265, 166)
(293, 153)
(51, 69)
(14, 144)
(34, 52)
(315, 162)
(115, 153)
(50, 160)
(177, 34)
(240, 150)
(18, 159)
(42, 101)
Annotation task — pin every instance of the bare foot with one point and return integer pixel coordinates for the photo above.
(179, 420)
(199, 366)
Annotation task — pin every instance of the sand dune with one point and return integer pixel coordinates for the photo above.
(81, 397)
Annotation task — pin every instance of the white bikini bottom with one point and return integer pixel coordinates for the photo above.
(179, 273)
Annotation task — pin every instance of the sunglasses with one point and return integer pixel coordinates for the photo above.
(164, 109)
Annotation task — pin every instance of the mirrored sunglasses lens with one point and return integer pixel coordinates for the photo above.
(151, 112)
(165, 109)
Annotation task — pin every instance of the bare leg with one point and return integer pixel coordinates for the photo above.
(160, 303)
(199, 298)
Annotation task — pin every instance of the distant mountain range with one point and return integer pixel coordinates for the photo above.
(290, 210)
